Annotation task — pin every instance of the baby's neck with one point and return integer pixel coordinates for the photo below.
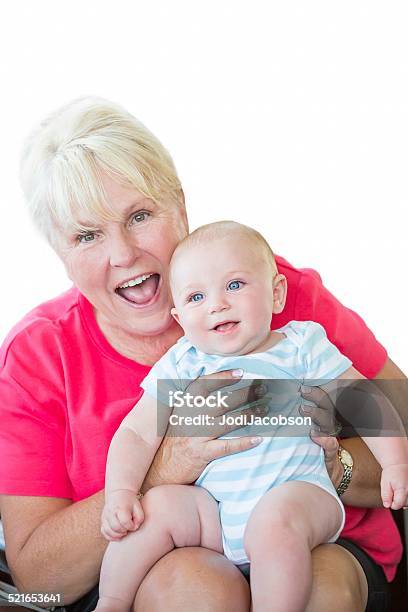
(272, 338)
(267, 342)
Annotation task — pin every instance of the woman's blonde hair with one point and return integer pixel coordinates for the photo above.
(64, 157)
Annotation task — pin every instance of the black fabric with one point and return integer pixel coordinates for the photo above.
(378, 591)
(379, 598)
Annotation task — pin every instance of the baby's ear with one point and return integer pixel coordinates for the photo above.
(175, 316)
(280, 287)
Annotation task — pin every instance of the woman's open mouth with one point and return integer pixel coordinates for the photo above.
(226, 327)
(141, 290)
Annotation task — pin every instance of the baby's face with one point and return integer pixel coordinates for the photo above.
(223, 295)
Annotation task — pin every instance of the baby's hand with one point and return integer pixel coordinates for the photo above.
(394, 486)
(122, 513)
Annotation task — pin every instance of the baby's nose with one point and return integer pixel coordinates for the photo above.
(218, 305)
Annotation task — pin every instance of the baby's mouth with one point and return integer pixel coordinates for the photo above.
(140, 289)
(225, 327)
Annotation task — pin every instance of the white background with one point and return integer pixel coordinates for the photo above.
(288, 116)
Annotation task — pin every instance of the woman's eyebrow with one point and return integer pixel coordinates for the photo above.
(136, 204)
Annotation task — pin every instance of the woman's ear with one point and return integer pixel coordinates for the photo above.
(280, 287)
(175, 316)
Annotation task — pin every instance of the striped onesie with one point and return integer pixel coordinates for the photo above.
(238, 481)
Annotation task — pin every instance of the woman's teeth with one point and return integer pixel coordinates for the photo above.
(139, 290)
(135, 281)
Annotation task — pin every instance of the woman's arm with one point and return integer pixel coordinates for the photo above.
(364, 488)
(54, 545)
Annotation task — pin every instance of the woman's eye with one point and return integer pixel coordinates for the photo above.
(139, 217)
(196, 297)
(234, 285)
(88, 237)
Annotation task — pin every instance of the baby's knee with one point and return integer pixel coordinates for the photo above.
(274, 526)
(162, 500)
(273, 514)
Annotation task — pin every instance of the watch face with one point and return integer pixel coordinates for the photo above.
(346, 458)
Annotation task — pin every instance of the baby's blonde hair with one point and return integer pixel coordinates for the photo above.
(64, 157)
(205, 234)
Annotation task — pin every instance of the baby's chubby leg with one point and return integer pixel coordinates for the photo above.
(284, 527)
(175, 516)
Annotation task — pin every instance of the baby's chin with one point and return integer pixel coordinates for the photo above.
(217, 348)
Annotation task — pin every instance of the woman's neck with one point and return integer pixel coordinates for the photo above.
(145, 350)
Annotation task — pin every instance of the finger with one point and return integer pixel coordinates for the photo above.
(386, 493)
(125, 519)
(114, 523)
(323, 418)
(138, 515)
(204, 385)
(111, 535)
(329, 444)
(229, 446)
(318, 396)
(400, 498)
(252, 393)
(220, 427)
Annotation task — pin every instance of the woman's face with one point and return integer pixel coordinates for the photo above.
(122, 267)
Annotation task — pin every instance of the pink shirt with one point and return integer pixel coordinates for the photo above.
(64, 391)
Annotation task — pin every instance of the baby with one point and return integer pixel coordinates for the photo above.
(268, 506)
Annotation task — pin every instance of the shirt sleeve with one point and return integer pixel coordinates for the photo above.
(32, 433)
(321, 359)
(163, 378)
(344, 328)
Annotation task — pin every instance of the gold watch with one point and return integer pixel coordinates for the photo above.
(347, 462)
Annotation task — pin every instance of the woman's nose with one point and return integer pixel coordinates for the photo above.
(123, 252)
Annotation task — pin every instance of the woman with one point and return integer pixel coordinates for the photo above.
(106, 195)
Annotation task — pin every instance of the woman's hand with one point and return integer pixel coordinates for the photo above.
(325, 428)
(182, 457)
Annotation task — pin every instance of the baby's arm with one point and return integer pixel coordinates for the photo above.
(130, 454)
(390, 452)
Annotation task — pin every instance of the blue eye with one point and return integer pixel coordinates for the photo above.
(234, 285)
(196, 297)
(139, 217)
(88, 237)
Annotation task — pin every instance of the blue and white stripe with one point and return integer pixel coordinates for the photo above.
(239, 481)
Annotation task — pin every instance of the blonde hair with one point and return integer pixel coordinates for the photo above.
(219, 230)
(64, 157)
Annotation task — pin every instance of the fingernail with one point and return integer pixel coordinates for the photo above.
(255, 441)
(237, 373)
(306, 409)
(305, 390)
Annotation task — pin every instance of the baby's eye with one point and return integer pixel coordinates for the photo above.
(234, 285)
(140, 216)
(196, 297)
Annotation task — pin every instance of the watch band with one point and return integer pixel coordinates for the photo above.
(347, 471)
